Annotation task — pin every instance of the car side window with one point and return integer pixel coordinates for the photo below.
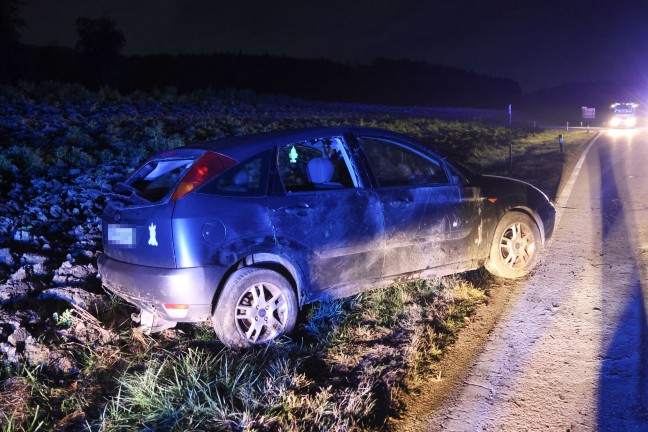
(396, 165)
(319, 164)
(248, 178)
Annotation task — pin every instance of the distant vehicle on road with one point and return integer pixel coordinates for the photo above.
(246, 230)
(623, 114)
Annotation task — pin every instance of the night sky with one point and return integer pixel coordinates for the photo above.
(537, 43)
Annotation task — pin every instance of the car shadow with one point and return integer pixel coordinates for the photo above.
(623, 378)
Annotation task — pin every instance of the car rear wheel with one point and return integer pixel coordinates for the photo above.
(256, 306)
(516, 246)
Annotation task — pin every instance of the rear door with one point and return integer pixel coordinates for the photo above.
(325, 218)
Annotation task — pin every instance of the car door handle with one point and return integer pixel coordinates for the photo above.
(299, 210)
(401, 203)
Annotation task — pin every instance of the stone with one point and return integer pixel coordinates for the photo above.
(22, 236)
(19, 275)
(36, 354)
(9, 352)
(69, 273)
(77, 296)
(6, 258)
(19, 337)
(13, 290)
(32, 258)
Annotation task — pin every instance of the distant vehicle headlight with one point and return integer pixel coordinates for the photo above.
(630, 122)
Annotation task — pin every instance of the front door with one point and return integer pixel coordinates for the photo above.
(325, 219)
(429, 218)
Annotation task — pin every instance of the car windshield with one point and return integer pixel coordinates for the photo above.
(156, 178)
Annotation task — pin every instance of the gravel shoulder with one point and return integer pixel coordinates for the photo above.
(530, 358)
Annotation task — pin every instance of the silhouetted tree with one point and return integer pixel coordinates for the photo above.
(100, 42)
(99, 37)
(10, 23)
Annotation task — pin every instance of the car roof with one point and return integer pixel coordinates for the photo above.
(243, 146)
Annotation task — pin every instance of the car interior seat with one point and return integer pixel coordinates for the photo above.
(320, 172)
(240, 182)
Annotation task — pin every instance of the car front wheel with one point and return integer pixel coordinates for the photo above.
(516, 246)
(256, 305)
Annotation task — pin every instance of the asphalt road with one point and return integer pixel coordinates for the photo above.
(571, 352)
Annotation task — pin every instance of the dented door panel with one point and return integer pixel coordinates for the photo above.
(338, 234)
(427, 227)
(220, 230)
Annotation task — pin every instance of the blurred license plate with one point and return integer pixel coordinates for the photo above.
(122, 235)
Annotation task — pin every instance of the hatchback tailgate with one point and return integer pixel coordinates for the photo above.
(140, 235)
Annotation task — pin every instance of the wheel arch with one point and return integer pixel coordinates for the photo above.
(269, 261)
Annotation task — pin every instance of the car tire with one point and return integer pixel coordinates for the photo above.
(255, 306)
(516, 246)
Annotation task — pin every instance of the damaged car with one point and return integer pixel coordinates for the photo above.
(244, 231)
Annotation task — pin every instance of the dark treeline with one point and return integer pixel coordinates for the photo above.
(567, 100)
(384, 81)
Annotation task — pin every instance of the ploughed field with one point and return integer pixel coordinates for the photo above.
(70, 356)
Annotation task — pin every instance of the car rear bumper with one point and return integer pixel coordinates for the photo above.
(151, 288)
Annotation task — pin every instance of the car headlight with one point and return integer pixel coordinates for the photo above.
(630, 122)
(615, 121)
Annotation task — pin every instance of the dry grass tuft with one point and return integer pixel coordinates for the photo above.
(15, 403)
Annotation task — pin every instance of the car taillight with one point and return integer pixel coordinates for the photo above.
(204, 169)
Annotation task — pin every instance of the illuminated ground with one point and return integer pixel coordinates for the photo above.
(569, 352)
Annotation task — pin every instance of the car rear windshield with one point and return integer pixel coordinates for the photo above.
(156, 178)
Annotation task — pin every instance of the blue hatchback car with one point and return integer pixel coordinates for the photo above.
(243, 231)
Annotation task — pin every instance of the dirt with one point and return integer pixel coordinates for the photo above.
(458, 359)
(564, 349)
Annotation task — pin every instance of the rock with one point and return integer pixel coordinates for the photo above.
(34, 264)
(94, 194)
(56, 361)
(22, 236)
(39, 269)
(20, 275)
(69, 273)
(78, 231)
(60, 363)
(6, 258)
(19, 337)
(89, 334)
(32, 258)
(77, 296)
(36, 354)
(9, 352)
(13, 290)
(10, 321)
(56, 212)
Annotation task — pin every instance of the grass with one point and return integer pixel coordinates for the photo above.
(342, 370)
(349, 361)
